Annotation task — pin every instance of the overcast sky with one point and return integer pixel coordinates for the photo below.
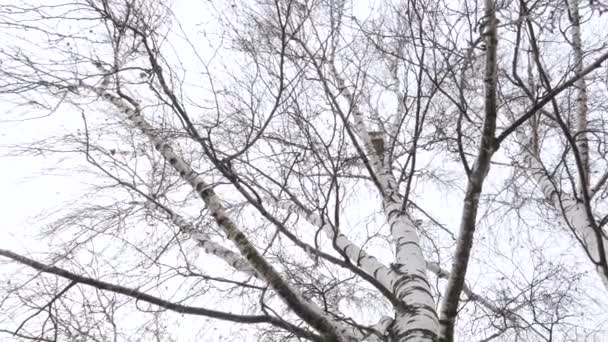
(35, 188)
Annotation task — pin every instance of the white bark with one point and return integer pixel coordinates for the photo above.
(357, 256)
(372, 266)
(573, 212)
(380, 272)
(416, 318)
(381, 329)
(448, 309)
(306, 310)
(204, 240)
(602, 180)
(582, 142)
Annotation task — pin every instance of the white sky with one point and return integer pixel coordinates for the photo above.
(29, 190)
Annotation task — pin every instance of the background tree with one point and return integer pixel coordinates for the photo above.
(347, 171)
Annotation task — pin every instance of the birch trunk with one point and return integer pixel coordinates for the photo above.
(582, 142)
(573, 213)
(210, 247)
(357, 256)
(416, 319)
(307, 311)
(449, 307)
(415, 315)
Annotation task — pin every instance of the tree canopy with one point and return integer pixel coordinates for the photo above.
(308, 170)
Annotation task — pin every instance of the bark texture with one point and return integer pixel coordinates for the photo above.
(449, 306)
(307, 311)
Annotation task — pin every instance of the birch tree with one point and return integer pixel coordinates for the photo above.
(285, 170)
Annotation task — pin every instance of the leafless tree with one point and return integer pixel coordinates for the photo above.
(318, 170)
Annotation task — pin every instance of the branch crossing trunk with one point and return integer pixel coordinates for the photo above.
(306, 310)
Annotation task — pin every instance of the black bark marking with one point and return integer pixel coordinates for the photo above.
(402, 244)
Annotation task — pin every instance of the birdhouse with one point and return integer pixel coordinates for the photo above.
(377, 139)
